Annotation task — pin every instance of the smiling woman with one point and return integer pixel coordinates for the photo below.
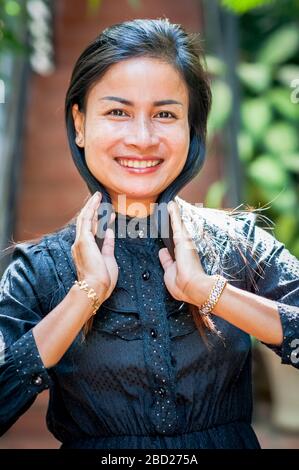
(144, 338)
(140, 135)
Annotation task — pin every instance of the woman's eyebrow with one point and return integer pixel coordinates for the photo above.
(130, 103)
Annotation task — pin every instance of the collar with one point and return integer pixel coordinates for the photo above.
(220, 236)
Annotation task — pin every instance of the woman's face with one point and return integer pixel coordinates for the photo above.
(136, 116)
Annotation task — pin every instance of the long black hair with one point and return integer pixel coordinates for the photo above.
(154, 38)
(158, 39)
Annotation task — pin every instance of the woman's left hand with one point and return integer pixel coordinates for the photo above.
(184, 277)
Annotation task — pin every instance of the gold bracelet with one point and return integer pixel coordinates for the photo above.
(216, 291)
(91, 294)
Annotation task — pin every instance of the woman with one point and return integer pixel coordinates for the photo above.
(142, 334)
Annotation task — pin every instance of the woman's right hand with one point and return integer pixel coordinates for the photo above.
(98, 268)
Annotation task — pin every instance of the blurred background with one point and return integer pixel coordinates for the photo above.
(252, 54)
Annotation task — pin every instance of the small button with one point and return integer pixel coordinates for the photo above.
(162, 391)
(154, 333)
(37, 380)
(146, 275)
(140, 233)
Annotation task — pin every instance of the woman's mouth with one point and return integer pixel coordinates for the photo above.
(138, 165)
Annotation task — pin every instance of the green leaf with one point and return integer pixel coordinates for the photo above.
(281, 201)
(286, 201)
(294, 249)
(285, 228)
(245, 146)
(281, 138)
(241, 6)
(215, 194)
(280, 99)
(215, 66)
(268, 172)
(221, 105)
(93, 6)
(291, 161)
(256, 77)
(256, 116)
(281, 45)
(12, 8)
(287, 74)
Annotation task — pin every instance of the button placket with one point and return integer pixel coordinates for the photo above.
(148, 287)
(163, 408)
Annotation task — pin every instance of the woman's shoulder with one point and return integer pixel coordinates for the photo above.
(226, 224)
(42, 257)
(226, 234)
(44, 264)
(42, 245)
(224, 219)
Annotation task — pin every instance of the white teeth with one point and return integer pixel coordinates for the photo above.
(138, 164)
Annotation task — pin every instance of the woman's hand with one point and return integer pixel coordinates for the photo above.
(184, 277)
(98, 269)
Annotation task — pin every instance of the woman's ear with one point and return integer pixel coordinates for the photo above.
(78, 118)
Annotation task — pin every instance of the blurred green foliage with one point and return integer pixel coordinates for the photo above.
(10, 12)
(242, 6)
(268, 140)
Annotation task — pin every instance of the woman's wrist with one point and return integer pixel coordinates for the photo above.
(204, 289)
(91, 294)
(215, 293)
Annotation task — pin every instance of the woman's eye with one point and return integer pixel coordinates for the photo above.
(170, 115)
(121, 113)
(116, 112)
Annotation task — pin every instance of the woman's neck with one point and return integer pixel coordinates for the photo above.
(125, 206)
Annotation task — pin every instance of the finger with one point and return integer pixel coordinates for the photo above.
(81, 213)
(165, 258)
(108, 244)
(182, 239)
(88, 214)
(95, 223)
(112, 218)
(96, 220)
(175, 221)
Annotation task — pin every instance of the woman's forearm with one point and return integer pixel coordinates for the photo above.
(252, 313)
(58, 329)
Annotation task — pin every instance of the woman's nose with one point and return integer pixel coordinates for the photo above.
(141, 133)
